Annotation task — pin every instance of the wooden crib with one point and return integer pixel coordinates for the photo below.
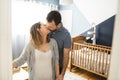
(93, 58)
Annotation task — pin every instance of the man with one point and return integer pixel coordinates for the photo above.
(63, 38)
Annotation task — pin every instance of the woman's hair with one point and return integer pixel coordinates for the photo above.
(36, 37)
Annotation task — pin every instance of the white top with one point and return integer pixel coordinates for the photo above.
(43, 65)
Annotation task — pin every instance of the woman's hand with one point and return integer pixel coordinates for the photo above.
(15, 70)
(14, 65)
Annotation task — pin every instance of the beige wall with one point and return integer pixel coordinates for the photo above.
(115, 60)
(5, 40)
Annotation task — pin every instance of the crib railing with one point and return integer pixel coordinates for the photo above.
(93, 58)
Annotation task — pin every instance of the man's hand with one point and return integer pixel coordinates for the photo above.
(60, 77)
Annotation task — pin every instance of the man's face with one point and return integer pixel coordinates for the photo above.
(51, 26)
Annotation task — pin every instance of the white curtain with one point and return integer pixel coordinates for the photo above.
(24, 15)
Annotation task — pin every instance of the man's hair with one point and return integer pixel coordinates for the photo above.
(54, 16)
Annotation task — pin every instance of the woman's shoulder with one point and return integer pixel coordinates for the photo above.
(52, 40)
(29, 44)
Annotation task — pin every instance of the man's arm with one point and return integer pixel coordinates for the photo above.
(57, 70)
(65, 61)
(66, 50)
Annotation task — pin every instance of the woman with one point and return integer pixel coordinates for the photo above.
(41, 55)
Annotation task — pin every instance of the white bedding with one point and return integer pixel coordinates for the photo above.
(92, 59)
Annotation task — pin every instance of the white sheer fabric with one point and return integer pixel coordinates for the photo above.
(24, 15)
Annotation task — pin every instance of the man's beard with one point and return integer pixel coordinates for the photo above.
(53, 30)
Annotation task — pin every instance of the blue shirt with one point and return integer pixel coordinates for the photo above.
(63, 38)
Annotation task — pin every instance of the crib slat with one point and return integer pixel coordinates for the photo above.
(80, 54)
(93, 54)
(94, 59)
(91, 59)
(74, 48)
(97, 60)
(77, 55)
(106, 63)
(86, 52)
(103, 53)
(109, 65)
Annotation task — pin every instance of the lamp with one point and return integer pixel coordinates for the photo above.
(93, 33)
(66, 2)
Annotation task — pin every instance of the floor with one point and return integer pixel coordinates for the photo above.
(87, 75)
(72, 76)
(81, 74)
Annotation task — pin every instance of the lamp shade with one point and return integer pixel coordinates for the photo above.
(66, 2)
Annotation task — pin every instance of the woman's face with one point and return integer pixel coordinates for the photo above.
(43, 30)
